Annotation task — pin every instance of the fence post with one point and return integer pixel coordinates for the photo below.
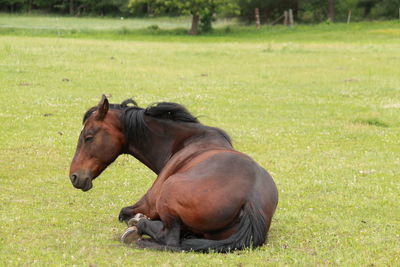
(286, 18)
(291, 21)
(349, 17)
(257, 14)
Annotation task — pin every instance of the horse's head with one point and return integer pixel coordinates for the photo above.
(100, 142)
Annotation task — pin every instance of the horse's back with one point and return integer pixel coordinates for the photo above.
(209, 195)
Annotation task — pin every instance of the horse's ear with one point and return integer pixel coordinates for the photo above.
(102, 108)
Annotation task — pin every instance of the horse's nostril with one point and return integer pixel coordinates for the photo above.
(73, 178)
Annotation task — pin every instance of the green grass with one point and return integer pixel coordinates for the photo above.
(318, 106)
(100, 23)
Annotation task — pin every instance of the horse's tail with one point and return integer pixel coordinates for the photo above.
(251, 232)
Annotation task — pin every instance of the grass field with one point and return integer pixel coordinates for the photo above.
(87, 23)
(318, 106)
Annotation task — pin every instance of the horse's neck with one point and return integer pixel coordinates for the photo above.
(168, 138)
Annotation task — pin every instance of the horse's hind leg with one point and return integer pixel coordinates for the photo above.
(168, 236)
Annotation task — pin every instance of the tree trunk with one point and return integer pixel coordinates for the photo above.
(30, 6)
(331, 10)
(71, 7)
(194, 30)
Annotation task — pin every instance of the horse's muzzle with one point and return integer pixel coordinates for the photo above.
(83, 182)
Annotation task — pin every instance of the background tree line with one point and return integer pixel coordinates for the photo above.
(203, 12)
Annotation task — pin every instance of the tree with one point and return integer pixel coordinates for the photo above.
(387, 9)
(202, 11)
(71, 7)
(331, 10)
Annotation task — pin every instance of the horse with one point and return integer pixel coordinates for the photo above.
(207, 196)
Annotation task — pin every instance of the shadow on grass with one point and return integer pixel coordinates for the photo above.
(372, 122)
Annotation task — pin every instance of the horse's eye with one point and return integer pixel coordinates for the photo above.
(89, 138)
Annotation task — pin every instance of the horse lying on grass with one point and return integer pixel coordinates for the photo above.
(207, 196)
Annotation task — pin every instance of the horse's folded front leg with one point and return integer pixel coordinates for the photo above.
(135, 220)
(126, 214)
(132, 234)
(142, 206)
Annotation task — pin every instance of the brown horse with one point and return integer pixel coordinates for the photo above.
(207, 196)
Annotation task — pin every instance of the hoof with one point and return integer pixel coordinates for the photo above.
(134, 221)
(130, 235)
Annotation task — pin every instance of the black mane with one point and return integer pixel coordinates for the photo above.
(134, 125)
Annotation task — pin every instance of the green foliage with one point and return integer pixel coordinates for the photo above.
(204, 9)
(102, 7)
(268, 9)
(304, 10)
(386, 9)
(313, 10)
(105, 7)
(140, 7)
(316, 10)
